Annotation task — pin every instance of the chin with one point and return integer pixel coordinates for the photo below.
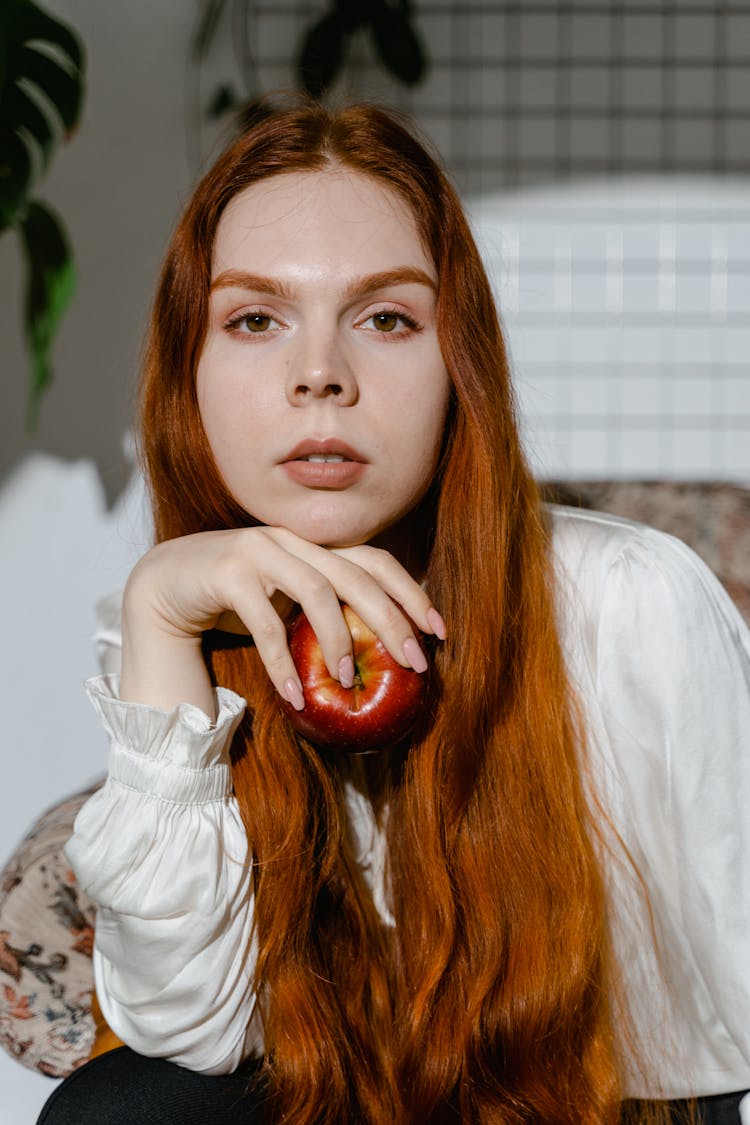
(337, 539)
(335, 528)
(328, 521)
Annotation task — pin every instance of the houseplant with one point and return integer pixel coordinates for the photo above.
(41, 94)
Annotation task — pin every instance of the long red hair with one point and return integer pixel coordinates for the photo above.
(488, 1001)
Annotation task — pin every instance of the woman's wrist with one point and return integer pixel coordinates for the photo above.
(161, 668)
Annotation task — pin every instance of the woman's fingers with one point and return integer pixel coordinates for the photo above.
(378, 589)
(238, 581)
(401, 587)
(269, 636)
(260, 570)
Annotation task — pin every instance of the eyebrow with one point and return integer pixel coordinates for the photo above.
(358, 287)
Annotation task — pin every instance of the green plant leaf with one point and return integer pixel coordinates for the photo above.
(41, 94)
(62, 88)
(26, 114)
(321, 57)
(352, 14)
(207, 25)
(397, 42)
(50, 283)
(15, 176)
(222, 101)
(21, 21)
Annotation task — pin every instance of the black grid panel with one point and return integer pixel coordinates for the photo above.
(549, 89)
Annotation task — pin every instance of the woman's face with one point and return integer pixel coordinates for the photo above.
(321, 386)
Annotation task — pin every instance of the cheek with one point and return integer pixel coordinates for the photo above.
(210, 408)
(206, 388)
(231, 409)
(422, 426)
(433, 414)
(221, 414)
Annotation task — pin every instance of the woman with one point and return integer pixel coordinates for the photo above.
(533, 912)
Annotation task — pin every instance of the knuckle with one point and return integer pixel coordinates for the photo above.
(279, 536)
(274, 531)
(277, 666)
(231, 570)
(375, 560)
(251, 539)
(269, 633)
(238, 560)
(317, 586)
(393, 620)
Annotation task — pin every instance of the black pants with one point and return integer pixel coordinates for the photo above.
(721, 1109)
(123, 1088)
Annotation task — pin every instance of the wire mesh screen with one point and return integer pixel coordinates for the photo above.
(626, 307)
(627, 316)
(544, 89)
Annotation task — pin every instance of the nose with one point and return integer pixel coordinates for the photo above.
(318, 370)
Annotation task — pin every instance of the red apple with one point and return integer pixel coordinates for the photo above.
(374, 714)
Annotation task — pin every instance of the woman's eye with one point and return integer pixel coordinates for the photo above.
(385, 322)
(389, 322)
(258, 322)
(250, 323)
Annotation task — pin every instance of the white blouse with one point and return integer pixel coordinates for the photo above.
(660, 658)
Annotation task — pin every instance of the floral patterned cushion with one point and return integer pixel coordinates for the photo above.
(46, 940)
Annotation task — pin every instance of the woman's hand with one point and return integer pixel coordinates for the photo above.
(229, 579)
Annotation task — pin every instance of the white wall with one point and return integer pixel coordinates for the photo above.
(52, 570)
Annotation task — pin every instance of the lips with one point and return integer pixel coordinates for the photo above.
(324, 447)
(325, 463)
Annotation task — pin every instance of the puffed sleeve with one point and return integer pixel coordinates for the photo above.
(162, 851)
(674, 684)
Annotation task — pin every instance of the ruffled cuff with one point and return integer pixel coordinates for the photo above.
(177, 755)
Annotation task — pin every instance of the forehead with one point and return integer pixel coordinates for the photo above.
(326, 214)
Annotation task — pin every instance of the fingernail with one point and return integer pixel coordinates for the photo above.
(293, 694)
(346, 671)
(437, 623)
(414, 655)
